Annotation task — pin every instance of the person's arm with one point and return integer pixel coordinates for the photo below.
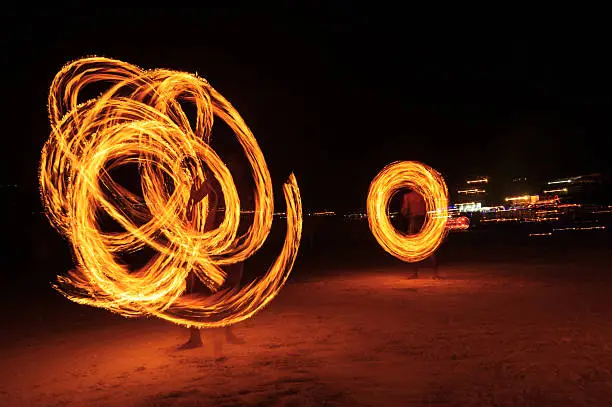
(202, 192)
(405, 211)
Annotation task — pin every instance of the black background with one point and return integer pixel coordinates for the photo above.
(334, 93)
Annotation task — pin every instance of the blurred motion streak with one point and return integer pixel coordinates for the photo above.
(139, 120)
(431, 186)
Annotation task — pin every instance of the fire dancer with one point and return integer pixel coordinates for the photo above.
(199, 191)
(414, 211)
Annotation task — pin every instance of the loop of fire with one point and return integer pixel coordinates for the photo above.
(139, 120)
(430, 185)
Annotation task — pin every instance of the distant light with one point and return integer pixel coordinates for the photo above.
(581, 228)
(553, 200)
(324, 213)
(471, 191)
(518, 198)
(458, 223)
(469, 207)
(563, 181)
(492, 208)
(500, 220)
(550, 191)
(478, 181)
(525, 198)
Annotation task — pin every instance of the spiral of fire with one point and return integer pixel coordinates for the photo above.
(431, 186)
(139, 120)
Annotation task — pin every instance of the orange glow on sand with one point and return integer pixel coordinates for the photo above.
(427, 182)
(139, 120)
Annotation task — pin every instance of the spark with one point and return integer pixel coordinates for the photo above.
(431, 186)
(140, 120)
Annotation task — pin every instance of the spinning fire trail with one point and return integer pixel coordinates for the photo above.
(431, 186)
(139, 120)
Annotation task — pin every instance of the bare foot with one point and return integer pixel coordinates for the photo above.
(234, 340)
(218, 351)
(191, 344)
(195, 340)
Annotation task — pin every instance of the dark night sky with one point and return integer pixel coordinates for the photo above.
(334, 94)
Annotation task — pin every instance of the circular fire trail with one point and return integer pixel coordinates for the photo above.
(140, 120)
(431, 186)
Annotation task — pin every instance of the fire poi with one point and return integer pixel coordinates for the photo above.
(139, 120)
(431, 186)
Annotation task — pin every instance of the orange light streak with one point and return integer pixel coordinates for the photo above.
(518, 198)
(431, 186)
(478, 181)
(581, 228)
(471, 191)
(139, 120)
(551, 191)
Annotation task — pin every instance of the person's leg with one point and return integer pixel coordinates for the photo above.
(195, 337)
(234, 278)
(218, 348)
(230, 337)
(414, 228)
(434, 259)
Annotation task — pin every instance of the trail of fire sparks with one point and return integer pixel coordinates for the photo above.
(431, 186)
(139, 120)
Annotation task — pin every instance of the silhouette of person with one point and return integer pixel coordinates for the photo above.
(414, 211)
(199, 191)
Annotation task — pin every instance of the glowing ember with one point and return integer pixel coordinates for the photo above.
(429, 184)
(139, 120)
